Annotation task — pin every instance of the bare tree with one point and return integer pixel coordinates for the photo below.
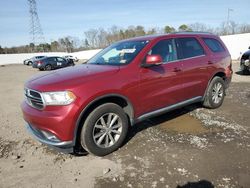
(91, 36)
(244, 28)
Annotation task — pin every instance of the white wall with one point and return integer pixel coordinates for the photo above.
(237, 44)
(18, 58)
(85, 54)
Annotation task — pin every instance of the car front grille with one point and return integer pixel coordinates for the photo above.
(34, 98)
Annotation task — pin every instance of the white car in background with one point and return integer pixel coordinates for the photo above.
(75, 59)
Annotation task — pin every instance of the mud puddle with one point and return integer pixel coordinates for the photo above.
(184, 124)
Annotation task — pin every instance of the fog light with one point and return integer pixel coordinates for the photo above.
(50, 136)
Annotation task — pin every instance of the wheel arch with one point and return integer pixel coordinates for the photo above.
(118, 99)
(219, 74)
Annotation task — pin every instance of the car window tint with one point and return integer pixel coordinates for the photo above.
(60, 59)
(214, 45)
(166, 49)
(52, 59)
(188, 47)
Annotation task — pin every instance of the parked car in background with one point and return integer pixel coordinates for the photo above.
(245, 62)
(75, 59)
(91, 106)
(50, 63)
(31, 60)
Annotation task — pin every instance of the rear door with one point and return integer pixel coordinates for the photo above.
(194, 66)
(161, 86)
(52, 61)
(61, 62)
(218, 54)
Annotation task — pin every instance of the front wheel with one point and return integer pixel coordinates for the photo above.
(245, 71)
(104, 130)
(215, 93)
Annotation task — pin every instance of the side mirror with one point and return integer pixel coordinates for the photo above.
(249, 47)
(152, 60)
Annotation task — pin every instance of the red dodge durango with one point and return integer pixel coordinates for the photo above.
(91, 106)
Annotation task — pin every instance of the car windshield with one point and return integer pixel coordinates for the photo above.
(119, 53)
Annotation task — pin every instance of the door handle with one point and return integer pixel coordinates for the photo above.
(210, 62)
(177, 69)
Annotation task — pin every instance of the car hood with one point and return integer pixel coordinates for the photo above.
(70, 77)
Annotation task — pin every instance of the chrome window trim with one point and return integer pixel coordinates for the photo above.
(183, 59)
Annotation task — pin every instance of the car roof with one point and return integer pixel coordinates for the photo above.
(174, 34)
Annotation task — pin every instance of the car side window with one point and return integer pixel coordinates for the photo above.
(166, 49)
(214, 45)
(188, 47)
(59, 59)
(52, 59)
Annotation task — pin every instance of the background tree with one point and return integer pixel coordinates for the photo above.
(100, 37)
(169, 29)
(184, 27)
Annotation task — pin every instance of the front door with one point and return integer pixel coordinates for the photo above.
(161, 85)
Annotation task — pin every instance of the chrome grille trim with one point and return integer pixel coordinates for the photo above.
(34, 98)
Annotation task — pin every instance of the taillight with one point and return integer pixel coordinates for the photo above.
(39, 62)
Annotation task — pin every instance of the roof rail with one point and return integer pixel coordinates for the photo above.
(192, 32)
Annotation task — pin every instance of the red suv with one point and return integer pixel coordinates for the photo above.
(91, 106)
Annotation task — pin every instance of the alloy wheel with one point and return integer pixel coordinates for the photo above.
(107, 130)
(217, 93)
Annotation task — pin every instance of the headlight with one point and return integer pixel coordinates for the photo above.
(247, 62)
(58, 97)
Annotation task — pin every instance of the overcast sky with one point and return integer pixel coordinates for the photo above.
(61, 18)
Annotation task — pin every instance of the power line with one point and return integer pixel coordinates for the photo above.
(36, 32)
(228, 18)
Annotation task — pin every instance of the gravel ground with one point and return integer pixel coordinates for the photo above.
(190, 147)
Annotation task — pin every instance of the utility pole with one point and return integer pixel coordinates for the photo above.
(35, 31)
(228, 18)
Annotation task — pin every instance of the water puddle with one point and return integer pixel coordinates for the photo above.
(184, 124)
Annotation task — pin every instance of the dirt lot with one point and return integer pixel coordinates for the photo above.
(208, 148)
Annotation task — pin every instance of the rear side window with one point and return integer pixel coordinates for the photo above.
(52, 59)
(189, 47)
(60, 59)
(214, 45)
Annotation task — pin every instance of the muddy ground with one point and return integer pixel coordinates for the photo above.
(189, 147)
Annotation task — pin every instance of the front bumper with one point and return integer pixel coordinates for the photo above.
(53, 126)
(63, 146)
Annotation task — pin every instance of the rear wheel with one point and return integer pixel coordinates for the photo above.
(215, 93)
(29, 63)
(48, 67)
(104, 130)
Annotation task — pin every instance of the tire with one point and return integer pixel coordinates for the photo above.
(245, 71)
(29, 63)
(102, 141)
(48, 67)
(215, 93)
(71, 64)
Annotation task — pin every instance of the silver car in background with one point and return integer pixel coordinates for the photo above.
(32, 60)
